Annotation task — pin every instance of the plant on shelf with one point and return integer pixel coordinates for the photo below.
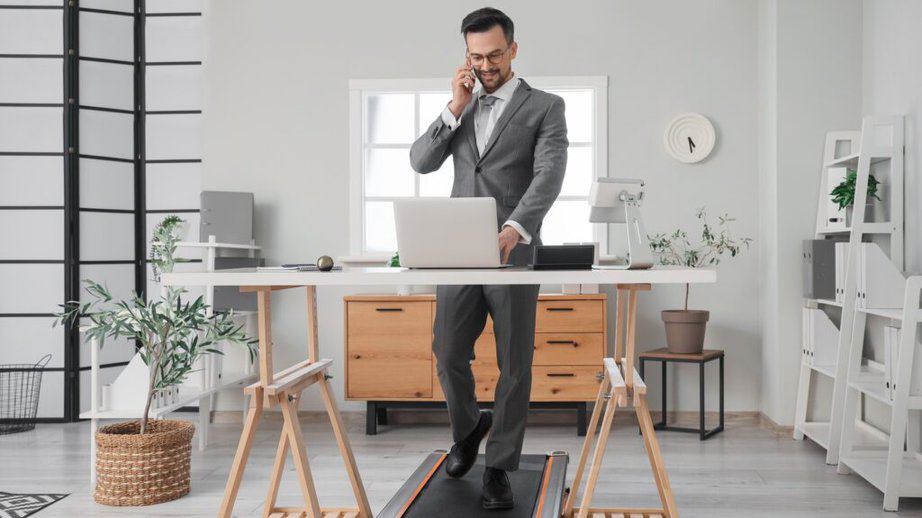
(685, 328)
(170, 334)
(843, 194)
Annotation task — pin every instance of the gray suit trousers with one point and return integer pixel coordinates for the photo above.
(460, 315)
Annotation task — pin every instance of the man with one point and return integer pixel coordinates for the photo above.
(508, 141)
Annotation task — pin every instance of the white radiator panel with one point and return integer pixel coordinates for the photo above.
(32, 234)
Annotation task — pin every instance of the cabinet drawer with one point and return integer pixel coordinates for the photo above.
(389, 367)
(386, 378)
(570, 316)
(569, 348)
(551, 349)
(389, 318)
(565, 383)
(547, 383)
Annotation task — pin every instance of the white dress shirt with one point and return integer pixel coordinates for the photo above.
(483, 128)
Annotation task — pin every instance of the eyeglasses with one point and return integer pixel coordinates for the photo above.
(494, 57)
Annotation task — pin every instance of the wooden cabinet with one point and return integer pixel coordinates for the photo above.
(389, 349)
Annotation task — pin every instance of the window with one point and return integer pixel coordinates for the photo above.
(388, 115)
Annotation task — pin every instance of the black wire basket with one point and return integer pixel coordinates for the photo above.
(20, 387)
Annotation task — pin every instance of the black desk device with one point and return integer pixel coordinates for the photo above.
(564, 257)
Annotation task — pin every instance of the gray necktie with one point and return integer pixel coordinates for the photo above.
(483, 117)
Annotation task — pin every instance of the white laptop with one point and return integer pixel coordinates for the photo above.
(447, 233)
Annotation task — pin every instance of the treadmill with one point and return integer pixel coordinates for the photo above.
(538, 486)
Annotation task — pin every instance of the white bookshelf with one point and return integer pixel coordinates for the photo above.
(869, 281)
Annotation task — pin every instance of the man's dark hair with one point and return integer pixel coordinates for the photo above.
(485, 19)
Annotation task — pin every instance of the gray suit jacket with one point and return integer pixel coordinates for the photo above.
(523, 163)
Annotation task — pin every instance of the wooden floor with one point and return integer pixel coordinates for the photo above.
(745, 471)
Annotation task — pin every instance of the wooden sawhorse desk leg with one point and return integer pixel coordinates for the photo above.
(621, 386)
(284, 389)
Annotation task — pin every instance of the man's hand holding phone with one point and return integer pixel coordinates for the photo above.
(461, 87)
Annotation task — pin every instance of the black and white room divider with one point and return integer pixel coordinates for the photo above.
(100, 111)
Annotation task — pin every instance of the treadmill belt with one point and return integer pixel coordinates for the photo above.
(446, 497)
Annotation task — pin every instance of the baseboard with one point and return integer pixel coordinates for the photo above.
(767, 423)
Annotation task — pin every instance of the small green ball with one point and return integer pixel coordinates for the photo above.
(325, 263)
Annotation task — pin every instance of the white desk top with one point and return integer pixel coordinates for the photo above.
(382, 276)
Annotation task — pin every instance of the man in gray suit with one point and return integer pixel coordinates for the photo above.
(508, 141)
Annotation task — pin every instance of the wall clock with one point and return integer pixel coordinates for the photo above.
(689, 138)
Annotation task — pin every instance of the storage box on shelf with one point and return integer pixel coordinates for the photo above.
(389, 360)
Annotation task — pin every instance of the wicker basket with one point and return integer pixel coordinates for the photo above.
(135, 469)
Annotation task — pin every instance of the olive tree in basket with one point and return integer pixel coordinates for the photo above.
(171, 333)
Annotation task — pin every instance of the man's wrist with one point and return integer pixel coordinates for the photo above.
(455, 108)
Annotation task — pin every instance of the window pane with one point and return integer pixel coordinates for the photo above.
(438, 183)
(431, 105)
(579, 114)
(579, 175)
(388, 172)
(567, 222)
(389, 118)
(380, 232)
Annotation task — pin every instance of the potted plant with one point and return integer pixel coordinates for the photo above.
(146, 462)
(685, 328)
(843, 194)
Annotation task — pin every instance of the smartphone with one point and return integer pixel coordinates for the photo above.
(467, 62)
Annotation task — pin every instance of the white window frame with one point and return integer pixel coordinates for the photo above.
(359, 88)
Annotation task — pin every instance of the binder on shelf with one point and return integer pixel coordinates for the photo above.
(821, 337)
(892, 336)
(880, 284)
(841, 253)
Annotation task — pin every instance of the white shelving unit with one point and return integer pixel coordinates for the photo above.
(866, 285)
(131, 385)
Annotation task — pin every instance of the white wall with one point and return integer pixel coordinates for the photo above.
(810, 65)
(893, 85)
(276, 124)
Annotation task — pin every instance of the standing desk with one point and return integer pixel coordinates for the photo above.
(620, 386)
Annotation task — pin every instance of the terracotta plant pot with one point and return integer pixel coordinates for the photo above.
(135, 469)
(685, 330)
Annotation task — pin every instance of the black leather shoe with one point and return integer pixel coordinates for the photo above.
(497, 493)
(463, 454)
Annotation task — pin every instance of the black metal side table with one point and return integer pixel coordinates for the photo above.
(665, 357)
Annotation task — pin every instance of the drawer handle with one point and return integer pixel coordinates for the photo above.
(563, 342)
(559, 309)
(560, 375)
(388, 310)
